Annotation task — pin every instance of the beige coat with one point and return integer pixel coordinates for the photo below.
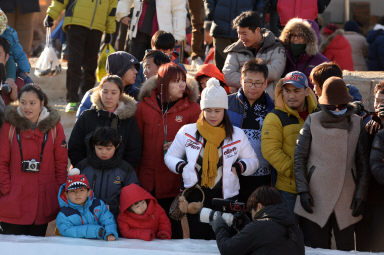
(359, 47)
(331, 182)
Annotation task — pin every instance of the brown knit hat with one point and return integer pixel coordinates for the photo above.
(334, 92)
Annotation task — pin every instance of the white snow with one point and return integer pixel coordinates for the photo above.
(57, 245)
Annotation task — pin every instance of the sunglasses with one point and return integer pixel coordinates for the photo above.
(334, 107)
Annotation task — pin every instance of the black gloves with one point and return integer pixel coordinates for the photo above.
(48, 21)
(107, 38)
(306, 201)
(359, 107)
(357, 207)
(240, 220)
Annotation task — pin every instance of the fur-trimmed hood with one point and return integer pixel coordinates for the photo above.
(301, 26)
(127, 105)
(48, 118)
(149, 85)
(330, 38)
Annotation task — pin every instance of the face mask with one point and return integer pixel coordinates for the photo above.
(339, 112)
(297, 49)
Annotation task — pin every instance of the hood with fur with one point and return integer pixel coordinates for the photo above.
(48, 118)
(301, 26)
(127, 105)
(149, 85)
(330, 38)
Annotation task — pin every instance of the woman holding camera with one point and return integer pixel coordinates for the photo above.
(33, 163)
(211, 153)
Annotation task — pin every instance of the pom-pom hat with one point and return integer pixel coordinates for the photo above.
(75, 180)
(213, 96)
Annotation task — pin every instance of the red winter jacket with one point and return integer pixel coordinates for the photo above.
(152, 171)
(31, 198)
(288, 9)
(154, 223)
(337, 48)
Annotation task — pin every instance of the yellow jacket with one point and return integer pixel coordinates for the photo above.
(278, 138)
(92, 14)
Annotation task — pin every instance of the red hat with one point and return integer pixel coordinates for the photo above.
(75, 180)
(330, 29)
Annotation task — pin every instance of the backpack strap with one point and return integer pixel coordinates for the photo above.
(53, 133)
(11, 133)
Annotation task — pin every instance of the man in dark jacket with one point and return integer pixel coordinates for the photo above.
(375, 39)
(247, 110)
(222, 12)
(272, 231)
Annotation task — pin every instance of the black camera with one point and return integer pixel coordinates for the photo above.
(5, 88)
(233, 212)
(30, 165)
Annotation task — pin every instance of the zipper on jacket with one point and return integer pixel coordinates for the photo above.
(94, 13)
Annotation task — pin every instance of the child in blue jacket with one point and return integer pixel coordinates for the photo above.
(81, 215)
(17, 54)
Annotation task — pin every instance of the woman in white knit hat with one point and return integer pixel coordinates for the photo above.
(211, 153)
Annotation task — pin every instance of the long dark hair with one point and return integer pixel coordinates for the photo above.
(228, 127)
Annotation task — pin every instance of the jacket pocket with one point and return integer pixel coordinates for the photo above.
(10, 204)
(310, 172)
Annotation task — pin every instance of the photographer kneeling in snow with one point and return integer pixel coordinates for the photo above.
(272, 231)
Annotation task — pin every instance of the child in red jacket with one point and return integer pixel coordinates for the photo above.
(141, 217)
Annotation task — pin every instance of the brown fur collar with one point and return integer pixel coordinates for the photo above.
(45, 124)
(329, 39)
(150, 84)
(301, 26)
(127, 105)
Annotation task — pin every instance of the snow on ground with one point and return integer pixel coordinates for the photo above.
(28, 245)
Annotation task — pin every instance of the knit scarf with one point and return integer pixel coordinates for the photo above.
(214, 137)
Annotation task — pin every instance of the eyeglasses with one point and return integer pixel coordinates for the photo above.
(334, 107)
(257, 84)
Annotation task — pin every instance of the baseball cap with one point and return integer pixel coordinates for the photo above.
(297, 79)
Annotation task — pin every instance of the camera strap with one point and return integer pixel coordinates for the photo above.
(42, 145)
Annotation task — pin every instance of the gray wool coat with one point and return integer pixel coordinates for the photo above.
(331, 164)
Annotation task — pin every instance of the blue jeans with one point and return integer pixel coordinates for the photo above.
(289, 199)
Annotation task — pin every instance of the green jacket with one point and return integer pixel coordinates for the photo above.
(280, 130)
(92, 14)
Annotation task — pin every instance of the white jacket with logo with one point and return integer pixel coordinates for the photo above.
(185, 147)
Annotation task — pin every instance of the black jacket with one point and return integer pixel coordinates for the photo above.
(123, 119)
(273, 231)
(107, 177)
(377, 157)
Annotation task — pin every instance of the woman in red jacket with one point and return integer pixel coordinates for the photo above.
(141, 217)
(167, 102)
(336, 47)
(33, 163)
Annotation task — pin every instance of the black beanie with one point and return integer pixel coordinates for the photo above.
(119, 62)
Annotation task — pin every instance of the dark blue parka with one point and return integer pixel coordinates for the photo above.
(375, 39)
(222, 12)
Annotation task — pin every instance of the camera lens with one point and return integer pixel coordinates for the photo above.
(32, 166)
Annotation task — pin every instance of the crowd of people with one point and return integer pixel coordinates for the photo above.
(267, 120)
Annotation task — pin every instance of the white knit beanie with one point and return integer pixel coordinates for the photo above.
(213, 96)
